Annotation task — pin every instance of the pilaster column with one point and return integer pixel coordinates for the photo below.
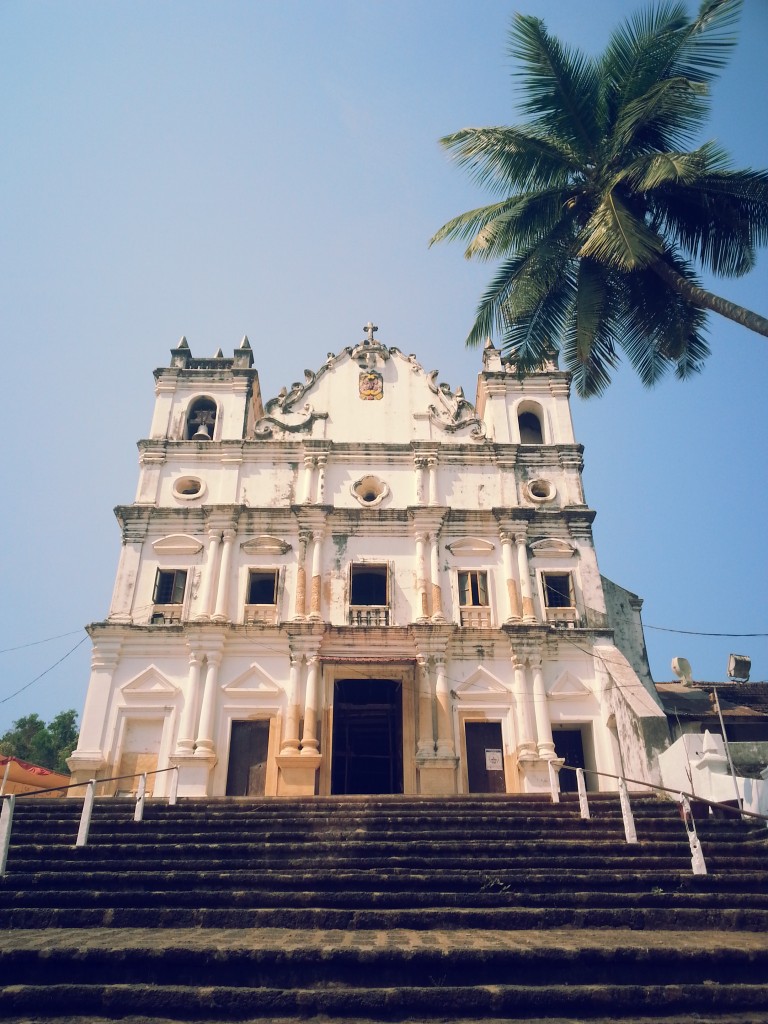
(309, 743)
(425, 745)
(204, 746)
(513, 593)
(526, 746)
(422, 613)
(420, 464)
(525, 578)
(220, 613)
(322, 461)
(309, 473)
(291, 735)
(209, 578)
(432, 468)
(317, 565)
(445, 742)
(437, 594)
(546, 744)
(300, 609)
(125, 581)
(185, 743)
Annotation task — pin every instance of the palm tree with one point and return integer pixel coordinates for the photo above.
(604, 214)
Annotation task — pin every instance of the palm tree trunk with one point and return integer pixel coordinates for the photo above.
(708, 300)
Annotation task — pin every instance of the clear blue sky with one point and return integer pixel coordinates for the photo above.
(272, 168)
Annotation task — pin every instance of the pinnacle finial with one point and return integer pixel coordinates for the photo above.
(245, 344)
(218, 354)
(183, 343)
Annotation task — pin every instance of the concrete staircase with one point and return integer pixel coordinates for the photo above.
(381, 909)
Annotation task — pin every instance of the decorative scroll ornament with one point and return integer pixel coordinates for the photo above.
(371, 386)
(268, 426)
(454, 412)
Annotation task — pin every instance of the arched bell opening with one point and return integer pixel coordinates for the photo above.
(201, 420)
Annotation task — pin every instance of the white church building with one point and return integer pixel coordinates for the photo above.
(366, 585)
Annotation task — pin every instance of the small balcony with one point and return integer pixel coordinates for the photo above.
(368, 615)
(477, 617)
(562, 616)
(165, 615)
(261, 614)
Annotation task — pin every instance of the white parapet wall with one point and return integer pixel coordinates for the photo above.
(698, 764)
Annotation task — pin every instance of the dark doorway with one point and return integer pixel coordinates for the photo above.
(248, 746)
(485, 757)
(367, 736)
(570, 746)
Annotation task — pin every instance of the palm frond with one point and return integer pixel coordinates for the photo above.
(530, 337)
(518, 286)
(719, 217)
(504, 159)
(617, 237)
(667, 116)
(707, 42)
(527, 219)
(468, 224)
(653, 170)
(562, 85)
(661, 330)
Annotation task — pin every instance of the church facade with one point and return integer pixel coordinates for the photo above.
(364, 585)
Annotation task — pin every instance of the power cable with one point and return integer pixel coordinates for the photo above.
(36, 643)
(44, 673)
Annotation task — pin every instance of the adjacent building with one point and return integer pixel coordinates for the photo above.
(364, 585)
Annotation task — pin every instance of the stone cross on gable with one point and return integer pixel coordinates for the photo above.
(369, 329)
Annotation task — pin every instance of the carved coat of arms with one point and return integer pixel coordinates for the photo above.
(371, 386)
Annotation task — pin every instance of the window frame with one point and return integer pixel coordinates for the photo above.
(545, 589)
(176, 574)
(375, 610)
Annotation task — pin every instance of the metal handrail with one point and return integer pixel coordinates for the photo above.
(728, 808)
(77, 785)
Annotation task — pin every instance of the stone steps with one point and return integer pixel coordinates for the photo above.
(380, 909)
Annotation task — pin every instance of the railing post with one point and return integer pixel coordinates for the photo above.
(141, 794)
(554, 783)
(698, 864)
(626, 813)
(6, 820)
(85, 817)
(174, 786)
(6, 773)
(580, 785)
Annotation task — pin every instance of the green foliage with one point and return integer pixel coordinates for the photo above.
(30, 739)
(602, 216)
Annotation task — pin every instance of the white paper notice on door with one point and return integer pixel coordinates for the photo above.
(493, 762)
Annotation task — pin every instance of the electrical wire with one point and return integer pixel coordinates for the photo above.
(44, 673)
(694, 632)
(36, 643)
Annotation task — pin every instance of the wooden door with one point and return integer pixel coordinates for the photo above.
(485, 757)
(248, 747)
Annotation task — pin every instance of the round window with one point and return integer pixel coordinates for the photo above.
(541, 490)
(188, 488)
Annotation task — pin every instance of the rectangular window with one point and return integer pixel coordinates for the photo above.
(261, 596)
(473, 589)
(558, 590)
(262, 587)
(170, 586)
(369, 595)
(473, 599)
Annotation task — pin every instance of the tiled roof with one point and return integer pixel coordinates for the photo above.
(737, 700)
